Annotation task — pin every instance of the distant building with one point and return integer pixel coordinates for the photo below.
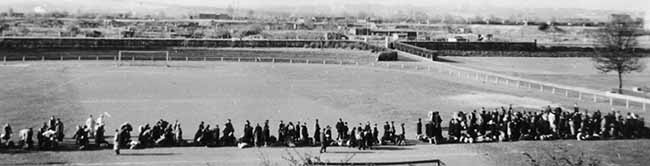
(395, 33)
(646, 21)
(220, 16)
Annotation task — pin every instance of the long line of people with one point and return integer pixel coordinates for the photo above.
(549, 123)
(501, 124)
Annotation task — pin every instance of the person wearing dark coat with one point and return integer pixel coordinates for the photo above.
(419, 127)
(29, 139)
(375, 134)
(199, 132)
(297, 134)
(99, 135)
(282, 131)
(339, 129)
(248, 134)
(304, 133)
(257, 133)
(228, 129)
(59, 130)
(266, 133)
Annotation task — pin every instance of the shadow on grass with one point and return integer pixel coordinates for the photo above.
(148, 154)
(391, 148)
(350, 152)
(439, 59)
(38, 163)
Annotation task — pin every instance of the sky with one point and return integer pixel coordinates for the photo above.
(638, 5)
(587, 4)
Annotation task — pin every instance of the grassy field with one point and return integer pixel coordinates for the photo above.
(565, 71)
(259, 91)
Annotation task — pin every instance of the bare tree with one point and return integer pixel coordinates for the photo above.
(616, 42)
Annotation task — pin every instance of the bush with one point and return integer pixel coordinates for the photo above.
(387, 56)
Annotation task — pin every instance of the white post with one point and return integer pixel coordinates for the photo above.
(530, 85)
(341, 62)
(272, 60)
(290, 60)
(518, 84)
(323, 61)
(611, 101)
(4, 60)
(238, 59)
(541, 87)
(579, 95)
(307, 61)
(553, 90)
(78, 58)
(644, 107)
(356, 63)
(221, 59)
(566, 92)
(61, 57)
(132, 59)
(496, 80)
(403, 66)
(507, 82)
(23, 58)
(627, 103)
(42, 58)
(595, 98)
(97, 58)
(205, 59)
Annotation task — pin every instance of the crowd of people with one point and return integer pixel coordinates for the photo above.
(501, 124)
(550, 123)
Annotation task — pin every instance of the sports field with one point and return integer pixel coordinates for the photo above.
(215, 91)
(565, 71)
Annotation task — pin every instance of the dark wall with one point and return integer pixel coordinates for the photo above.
(160, 44)
(475, 46)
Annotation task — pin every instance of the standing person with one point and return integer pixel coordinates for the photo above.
(257, 133)
(116, 142)
(248, 133)
(99, 135)
(216, 131)
(392, 129)
(59, 130)
(228, 129)
(266, 133)
(51, 123)
(304, 133)
(317, 133)
(90, 123)
(375, 135)
(323, 143)
(281, 131)
(179, 133)
(339, 129)
(419, 127)
(6, 136)
(199, 132)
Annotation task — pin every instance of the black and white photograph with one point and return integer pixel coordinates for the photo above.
(324, 82)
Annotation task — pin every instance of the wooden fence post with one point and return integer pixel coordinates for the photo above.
(272, 60)
(78, 58)
(42, 58)
(221, 59)
(627, 103)
(97, 58)
(61, 58)
(290, 60)
(595, 98)
(23, 58)
(644, 106)
(4, 60)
